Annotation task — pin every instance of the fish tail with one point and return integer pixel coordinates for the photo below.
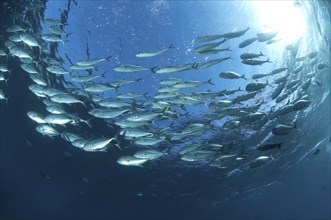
(145, 95)
(210, 82)
(104, 74)
(88, 122)
(243, 76)
(268, 61)
(228, 48)
(108, 58)
(171, 46)
(153, 69)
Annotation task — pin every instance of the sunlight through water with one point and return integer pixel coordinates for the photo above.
(282, 16)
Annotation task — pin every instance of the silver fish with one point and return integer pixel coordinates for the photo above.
(129, 160)
(92, 61)
(153, 53)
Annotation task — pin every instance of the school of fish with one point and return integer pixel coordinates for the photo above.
(149, 122)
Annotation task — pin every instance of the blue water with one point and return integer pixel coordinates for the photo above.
(48, 178)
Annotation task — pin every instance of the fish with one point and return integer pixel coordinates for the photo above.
(208, 47)
(298, 69)
(266, 36)
(15, 28)
(255, 62)
(59, 119)
(219, 104)
(312, 55)
(211, 147)
(94, 61)
(261, 160)
(177, 68)
(280, 80)
(269, 146)
(56, 30)
(100, 144)
(107, 113)
(231, 75)
(130, 68)
(66, 99)
(256, 86)
(251, 118)
(166, 95)
(71, 137)
(208, 38)
(214, 51)
(205, 95)
(52, 38)
(86, 78)
(154, 53)
(191, 84)
(55, 109)
(258, 76)
(235, 34)
(20, 52)
(15, 38)
(188, 148)
(247, 42)
(299, 59)
(167, 89)
(29, 68)
(118, 83)
(79, 142)
(244, 97)
(306, 84)
(212, 62)
(293, 83)
(30, 40)
(130, 124)
(96, 87)
(231, 124)
(4, 68)
(282, 96)
(226, 92)
(278, 70)
(77, 67)
(147, 141)
(129, 160)
(186, 100)
(142, 116)
(53, 21)
(130, 95)
(114, 103)
(47, 130)
(301, 104)
(282, 129)
(148, 154)
(278, 90)
(198, 155)
(246, 56)
(170, 81)
(56, 70)
(39, 118)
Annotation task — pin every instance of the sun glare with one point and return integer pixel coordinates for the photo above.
(281, 16)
